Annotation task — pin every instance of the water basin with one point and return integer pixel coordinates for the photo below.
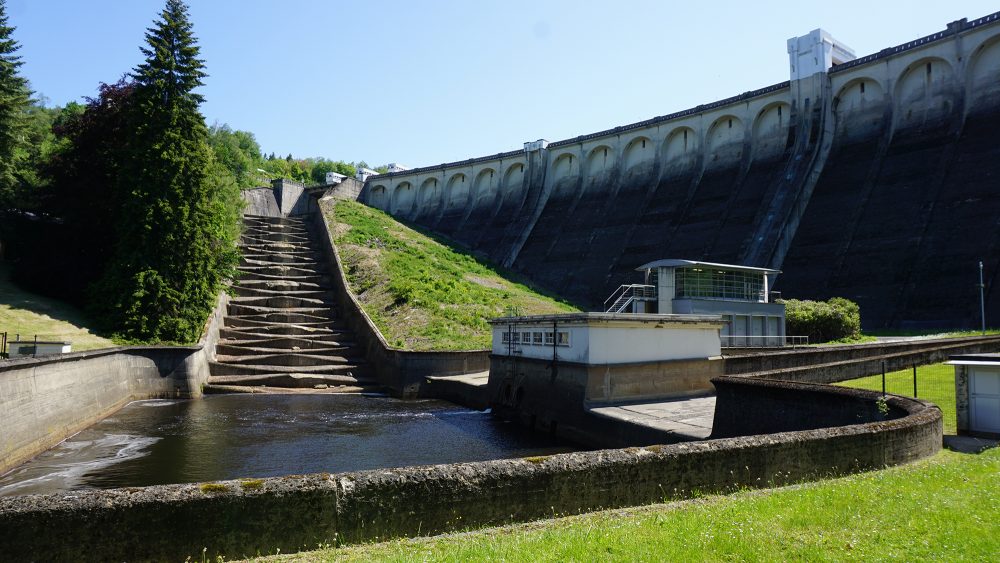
(233, 436)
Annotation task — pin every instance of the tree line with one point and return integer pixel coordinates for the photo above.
(128, 204)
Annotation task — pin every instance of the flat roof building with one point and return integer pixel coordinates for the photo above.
(740, 294)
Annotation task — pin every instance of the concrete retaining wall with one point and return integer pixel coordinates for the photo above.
(47, 399)
(235, 519)
(556, 400)
(830, 364)
(403, 372)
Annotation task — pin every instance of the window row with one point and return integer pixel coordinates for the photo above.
(536, 338)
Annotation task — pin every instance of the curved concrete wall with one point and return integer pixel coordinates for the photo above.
(870, 182)
(243, 518)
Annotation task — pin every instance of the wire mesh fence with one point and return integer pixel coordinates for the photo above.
(934, 383)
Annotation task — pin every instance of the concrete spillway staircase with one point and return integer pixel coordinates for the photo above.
(281, 329)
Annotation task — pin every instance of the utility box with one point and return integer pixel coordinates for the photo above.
(977, 394)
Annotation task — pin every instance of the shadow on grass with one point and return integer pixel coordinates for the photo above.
(18, 298)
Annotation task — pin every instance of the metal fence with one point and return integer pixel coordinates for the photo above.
(747, 341)
(935, 383)
(14, 346)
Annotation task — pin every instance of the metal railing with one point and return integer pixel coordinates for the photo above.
(14, 346)
(748, 341)
(626, 294)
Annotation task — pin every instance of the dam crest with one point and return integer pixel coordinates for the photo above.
(868, 179)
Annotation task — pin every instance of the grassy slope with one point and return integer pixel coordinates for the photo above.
(420, 293)
(27, 314)
(935, 383)
(946, 508)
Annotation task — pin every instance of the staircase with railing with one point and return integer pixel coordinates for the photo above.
(626, 295)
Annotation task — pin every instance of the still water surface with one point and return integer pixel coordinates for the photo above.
(233, 436)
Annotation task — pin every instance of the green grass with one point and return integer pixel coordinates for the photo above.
(935, 383)
(27, 314)
(943, 333)
(421, 293)
(946, 508)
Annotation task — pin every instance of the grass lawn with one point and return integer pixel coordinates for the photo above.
(935, 383)
(946, 508)
(27, 314)
(421, 293)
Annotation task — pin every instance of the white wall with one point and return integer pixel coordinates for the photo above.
(616, 342)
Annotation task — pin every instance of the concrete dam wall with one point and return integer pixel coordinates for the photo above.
(874, 179)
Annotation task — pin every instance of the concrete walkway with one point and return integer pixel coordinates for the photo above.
(689, 419)
(467, 389)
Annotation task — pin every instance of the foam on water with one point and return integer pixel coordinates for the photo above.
(64, 465)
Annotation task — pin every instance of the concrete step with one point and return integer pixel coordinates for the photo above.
(283, 271)
(258, 232)
(248, 277)
(211, 389)
(268, 314)
(233, 348)
(289, 359)
(323, 295)
(255, 323)
(285, 317)
(284, 302)
(283, 256)
(282, 330)
(275, 221)
(262, 237)
(290, 343)
(279, 285)
(281, 247)
(280, 258)
(295, 381)
(354, 370)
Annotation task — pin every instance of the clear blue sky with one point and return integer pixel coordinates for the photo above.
(426, 82)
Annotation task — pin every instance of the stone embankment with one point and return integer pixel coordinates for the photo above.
(282, 329)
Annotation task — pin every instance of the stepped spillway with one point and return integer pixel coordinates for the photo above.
(281, 329)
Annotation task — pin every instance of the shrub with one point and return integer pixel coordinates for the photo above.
(823, 321)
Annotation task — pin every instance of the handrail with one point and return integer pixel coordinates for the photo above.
(629, 292)
(758, 341)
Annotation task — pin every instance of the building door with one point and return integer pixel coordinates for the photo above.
(984, 400)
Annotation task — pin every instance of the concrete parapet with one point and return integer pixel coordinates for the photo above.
(830, 364)
(246, 517)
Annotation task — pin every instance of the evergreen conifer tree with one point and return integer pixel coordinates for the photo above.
(14, 100)
(179, 217)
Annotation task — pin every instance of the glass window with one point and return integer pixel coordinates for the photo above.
(703, 283)
(562, 338)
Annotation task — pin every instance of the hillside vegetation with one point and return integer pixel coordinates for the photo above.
(27, 314)
(941, 509)
(422, 294)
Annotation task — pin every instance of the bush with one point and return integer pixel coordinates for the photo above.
(823, 321)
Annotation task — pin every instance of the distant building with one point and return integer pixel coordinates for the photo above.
(334, 178)
(363, 173)
(393, 167)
